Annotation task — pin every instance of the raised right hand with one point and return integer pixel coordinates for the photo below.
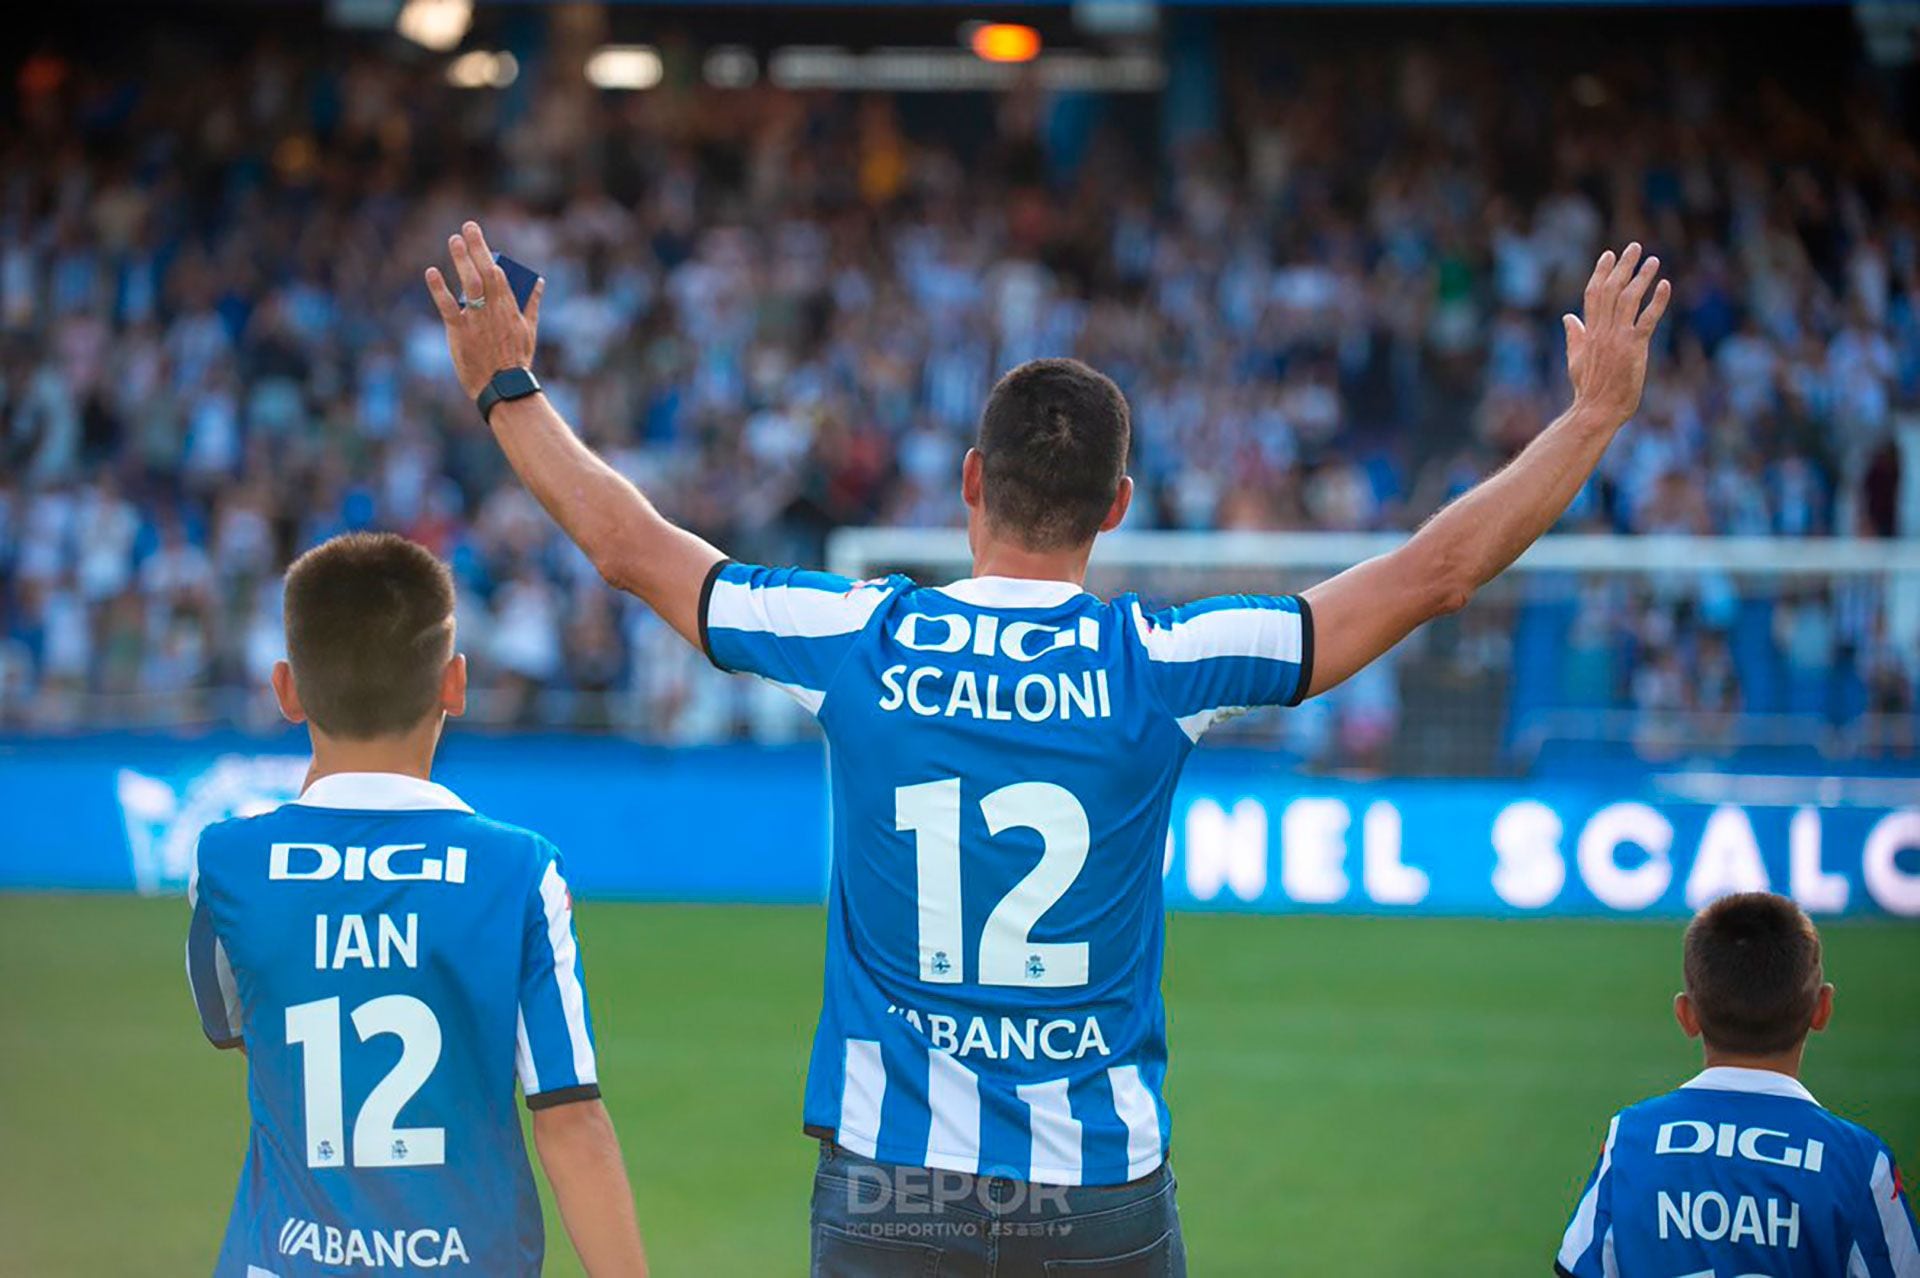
(1607, 347)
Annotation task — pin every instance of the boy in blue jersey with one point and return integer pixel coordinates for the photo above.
(987, 1075)
(1741, 1172)
(389, 961)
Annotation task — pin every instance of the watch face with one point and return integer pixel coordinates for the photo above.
(514, 383)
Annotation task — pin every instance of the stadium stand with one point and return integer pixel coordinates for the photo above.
(1333, 313)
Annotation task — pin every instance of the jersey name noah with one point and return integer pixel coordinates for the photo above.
(1003, 755)
(391, 961)
(1740, 1174)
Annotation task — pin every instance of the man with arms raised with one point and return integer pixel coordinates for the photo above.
(1004, 755)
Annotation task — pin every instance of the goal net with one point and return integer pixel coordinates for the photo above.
(1652, 649)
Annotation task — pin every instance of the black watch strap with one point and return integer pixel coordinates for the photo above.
(508, 383)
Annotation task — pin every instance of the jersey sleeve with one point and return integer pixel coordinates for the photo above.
(791, 626)
(1885, 1243)
(1219, 657)
(554, 1054)
(1586, 1250)
(209, 974)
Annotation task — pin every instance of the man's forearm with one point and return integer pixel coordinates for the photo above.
(581, 1156)
(1370, 607)
(634, 547)
(1478, 537)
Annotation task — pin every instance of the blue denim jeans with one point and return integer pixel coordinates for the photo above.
(878, 1220)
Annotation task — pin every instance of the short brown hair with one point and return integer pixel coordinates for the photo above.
(1753, 973)
(1053, 444)
(369, 620)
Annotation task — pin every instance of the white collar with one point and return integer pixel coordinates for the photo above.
(1012, 592)
(1759, 1082)
(379, 792)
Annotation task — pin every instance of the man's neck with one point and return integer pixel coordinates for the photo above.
(408, 756)
(1787, 1063)
(1009, 559)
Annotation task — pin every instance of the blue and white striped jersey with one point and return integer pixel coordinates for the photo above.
(1003, 757)
(1740, 1173)
(390, 960)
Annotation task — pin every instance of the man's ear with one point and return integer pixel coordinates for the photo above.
(1684, 1013)
(286, 694)
(453, 686)
(973, 472)
(1121, 500)
(1822, 1007)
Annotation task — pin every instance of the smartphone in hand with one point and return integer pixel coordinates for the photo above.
(520, 279)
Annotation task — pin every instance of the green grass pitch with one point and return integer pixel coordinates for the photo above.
(1350, 1096)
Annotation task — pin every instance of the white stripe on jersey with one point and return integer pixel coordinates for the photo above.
(1902, 1249)
(1271, 633)
(523, 1055)
(222, 969)
(953, 1097)
(1134, 1104)
(1609, 1264)
(229, 994)
(573, 1000)
(1857, 1264)
(192, 982)
(791, 612)
(809, 698)
(1056, 1133)
(1580, 1230)
(1195, 725)
(860, 1095)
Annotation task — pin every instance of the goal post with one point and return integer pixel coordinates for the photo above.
(858, 551)
(1655, 647)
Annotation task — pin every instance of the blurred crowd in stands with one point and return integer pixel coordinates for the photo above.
(780, 313)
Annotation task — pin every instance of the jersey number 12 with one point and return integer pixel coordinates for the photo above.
(1007, 957)
(315, 1027)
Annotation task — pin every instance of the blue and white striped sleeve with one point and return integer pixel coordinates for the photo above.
(790, 626)
(209, 974)
(553, 1049)
(1586, 1251)
(1219, 657)
(1885, 1245)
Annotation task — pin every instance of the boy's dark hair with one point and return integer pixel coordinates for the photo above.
(1753, 973)
(369, 620)
(1054, 441)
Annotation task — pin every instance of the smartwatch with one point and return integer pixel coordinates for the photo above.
(508, 383)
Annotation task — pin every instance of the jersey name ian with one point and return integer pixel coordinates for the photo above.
(393, 962)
